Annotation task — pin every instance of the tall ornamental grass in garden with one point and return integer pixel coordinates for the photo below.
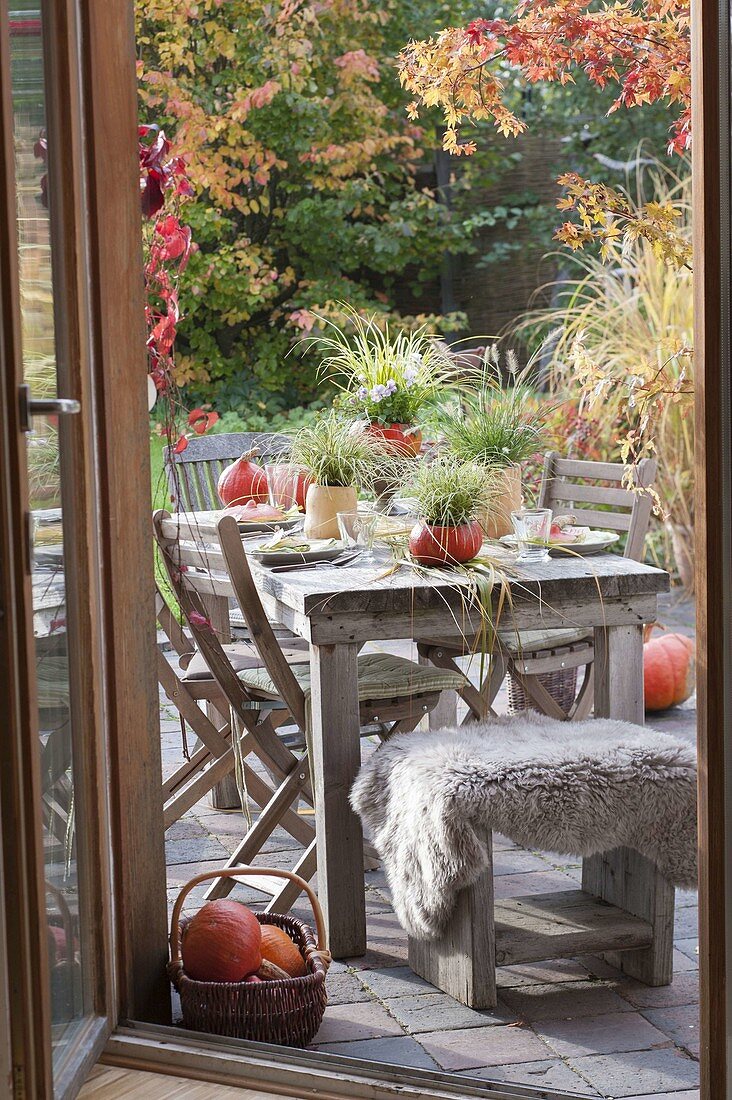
(621, 331)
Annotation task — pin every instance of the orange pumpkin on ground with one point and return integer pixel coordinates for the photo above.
(222, 943)
(278, 948)
(668, 671)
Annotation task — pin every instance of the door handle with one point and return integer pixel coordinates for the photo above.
(43, 406)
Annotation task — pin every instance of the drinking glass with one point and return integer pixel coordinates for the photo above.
(282, 484)
(532, 527)
(358, 529)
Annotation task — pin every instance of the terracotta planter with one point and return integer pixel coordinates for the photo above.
(431, 545)
(322, 504)
(405, 439)
(496, 520)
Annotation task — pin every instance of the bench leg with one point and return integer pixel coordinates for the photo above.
(462, 962)
(624, 877)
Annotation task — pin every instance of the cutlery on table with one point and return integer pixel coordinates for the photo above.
(345, 559)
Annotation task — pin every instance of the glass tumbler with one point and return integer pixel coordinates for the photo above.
(532, 527)
(358, 529)
(282, 484)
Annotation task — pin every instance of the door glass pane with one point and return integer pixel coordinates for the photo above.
(47, 490)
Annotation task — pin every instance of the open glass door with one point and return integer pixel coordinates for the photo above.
(60, 977)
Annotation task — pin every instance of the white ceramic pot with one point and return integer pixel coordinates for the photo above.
(496, 520)
(322, 505)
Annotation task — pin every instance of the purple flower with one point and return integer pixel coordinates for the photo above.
(391, 386)
(362, 393)
(378, 392)
(410, 373)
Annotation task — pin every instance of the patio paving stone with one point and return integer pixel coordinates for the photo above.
(433, 1011)
(547, 1075)
(499, 1045)
(686, 922)
(556, 970)
(397, 1052)
(687, 1094)
(684, 964)
(606, 1034)
(684, 990)
(398, 981)
(516, 861)
(345, 989)
(688, 947)
(680, 1024)
(639, 1072)
(347, 1022)
(183, 851)
(534, 882)
(564, 1001)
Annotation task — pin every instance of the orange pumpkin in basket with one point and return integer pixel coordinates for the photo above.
(222, 943)
(278, 948)
(668, 671)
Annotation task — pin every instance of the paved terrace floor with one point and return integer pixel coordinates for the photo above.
(574, 1024)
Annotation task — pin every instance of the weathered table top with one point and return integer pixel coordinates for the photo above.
(349, 603)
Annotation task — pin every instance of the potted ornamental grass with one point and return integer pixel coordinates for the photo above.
(496, 426)
(341, 459)
(387, 378)
(450, 496)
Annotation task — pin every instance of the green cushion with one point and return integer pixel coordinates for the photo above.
(533, 641)
(380, 676)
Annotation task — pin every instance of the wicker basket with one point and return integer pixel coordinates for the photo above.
(561, 685)
(288, 1011)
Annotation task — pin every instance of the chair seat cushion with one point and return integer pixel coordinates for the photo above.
(242, 657)
(380, 676)
(533, 641)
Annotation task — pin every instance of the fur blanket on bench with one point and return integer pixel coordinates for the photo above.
(429, 801)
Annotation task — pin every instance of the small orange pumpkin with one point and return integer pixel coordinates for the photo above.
(278, 948)
(222, 943)
(668, 671)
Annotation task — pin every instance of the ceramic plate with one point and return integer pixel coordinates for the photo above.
(268, 524)
(595, 543)
(320, 550)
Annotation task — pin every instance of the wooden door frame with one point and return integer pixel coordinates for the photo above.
(713, 472)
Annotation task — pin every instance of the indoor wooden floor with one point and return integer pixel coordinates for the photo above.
(108, 1083)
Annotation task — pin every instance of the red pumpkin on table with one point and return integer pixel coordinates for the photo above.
(432, 545)
(668, 671)
(243, 481)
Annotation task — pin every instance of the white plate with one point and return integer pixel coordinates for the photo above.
(320, 550)
(268, 524)
(596, 543)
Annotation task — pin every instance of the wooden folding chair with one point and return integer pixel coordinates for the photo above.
(263, 698)
(567, 486)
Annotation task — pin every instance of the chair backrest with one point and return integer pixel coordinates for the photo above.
(580, 487)
(209, 558)
(192, 475)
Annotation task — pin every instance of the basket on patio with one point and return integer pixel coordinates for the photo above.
(286, 1011)
(561, 685)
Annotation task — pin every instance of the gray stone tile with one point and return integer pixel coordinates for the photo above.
(345, 989)
(183, 829)
(467, 1048)
(687, 1094)
(572, 1000)
(684, 964)
(397, 981)
(517, 861)
(639, 1072)
(348, 1022)
(617, 1031)
(680, 1024)
(555, 970)
(686, 922)
(547, 1075)
(688, 947)
(684, 990)
(502, 843)
(197, 848)
(533, 882)
(398, 1052)
(438, 1012)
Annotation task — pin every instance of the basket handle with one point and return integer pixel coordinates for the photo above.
(233, 872)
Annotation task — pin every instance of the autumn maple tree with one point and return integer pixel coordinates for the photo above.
(640, 48)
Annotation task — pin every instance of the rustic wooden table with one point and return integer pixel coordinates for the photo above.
(339, 609)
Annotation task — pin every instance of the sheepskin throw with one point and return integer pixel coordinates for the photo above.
(431, 800)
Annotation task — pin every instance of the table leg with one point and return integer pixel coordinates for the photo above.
(336, 754)
(624, 877)
(444, 715)
(225, 794)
